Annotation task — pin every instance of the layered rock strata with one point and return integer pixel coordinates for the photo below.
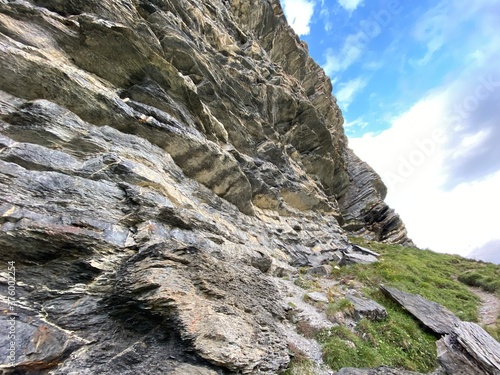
(162, 162)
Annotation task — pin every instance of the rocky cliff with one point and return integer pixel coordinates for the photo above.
(163, 165)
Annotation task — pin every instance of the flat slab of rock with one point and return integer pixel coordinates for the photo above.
(348, 259)
(38, 344)
(317, 297)
(431, 314)
(469, 350)
(366, 308)
(364, 250)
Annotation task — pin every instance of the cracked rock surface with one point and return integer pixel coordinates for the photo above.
(162, 164)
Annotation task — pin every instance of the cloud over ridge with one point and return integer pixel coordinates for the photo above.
(299, 14)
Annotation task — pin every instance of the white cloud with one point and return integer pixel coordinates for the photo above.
(441, 24)
(299, 14)
(410, 157)
(469, 143)
(348, 91)
(350, 5)
(358, 123)
(328, 26)
(454, 222)
(440, 159)
(325, 15)
(348, 54)
(373, 65)
(431, 30)
(488, 252)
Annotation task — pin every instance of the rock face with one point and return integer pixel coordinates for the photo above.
(468, 349)
(161, 163)
(364, 209)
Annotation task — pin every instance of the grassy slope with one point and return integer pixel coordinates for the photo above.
(432, 275)
(399, 341)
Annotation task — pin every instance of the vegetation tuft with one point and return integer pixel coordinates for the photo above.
(396, 342)
(434, 276)
(300, 364)
(341, 305)
(485, 276)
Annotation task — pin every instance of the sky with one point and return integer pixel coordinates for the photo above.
(418, 83)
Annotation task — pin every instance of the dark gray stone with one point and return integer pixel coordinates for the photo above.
(375, 219)
(364, 250)
(352, 258)
(317, 297)
(469, 349)
(366, 308)
(431, 314)
(36, 342)
(262, 262)
(465, 348)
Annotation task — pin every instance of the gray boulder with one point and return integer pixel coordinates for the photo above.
(366, 308)
(352, 258)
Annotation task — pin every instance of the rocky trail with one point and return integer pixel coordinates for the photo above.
(490, 307)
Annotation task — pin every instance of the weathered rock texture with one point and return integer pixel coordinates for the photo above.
(161, 163)
(431, 314)
(366, 308)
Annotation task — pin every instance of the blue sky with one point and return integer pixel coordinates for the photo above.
(418, 83)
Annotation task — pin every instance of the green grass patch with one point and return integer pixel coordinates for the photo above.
(494, 331)
(399, 341)
(306, 283)
(300, 364)
(340, 305)
(484, 275)
(396, 342)
(432, 275)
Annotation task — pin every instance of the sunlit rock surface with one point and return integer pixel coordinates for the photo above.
(162, 163)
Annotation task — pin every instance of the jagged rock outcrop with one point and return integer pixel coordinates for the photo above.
(363, 206)
(162, 162)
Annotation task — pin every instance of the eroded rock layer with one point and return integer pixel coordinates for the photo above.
(162, 162)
